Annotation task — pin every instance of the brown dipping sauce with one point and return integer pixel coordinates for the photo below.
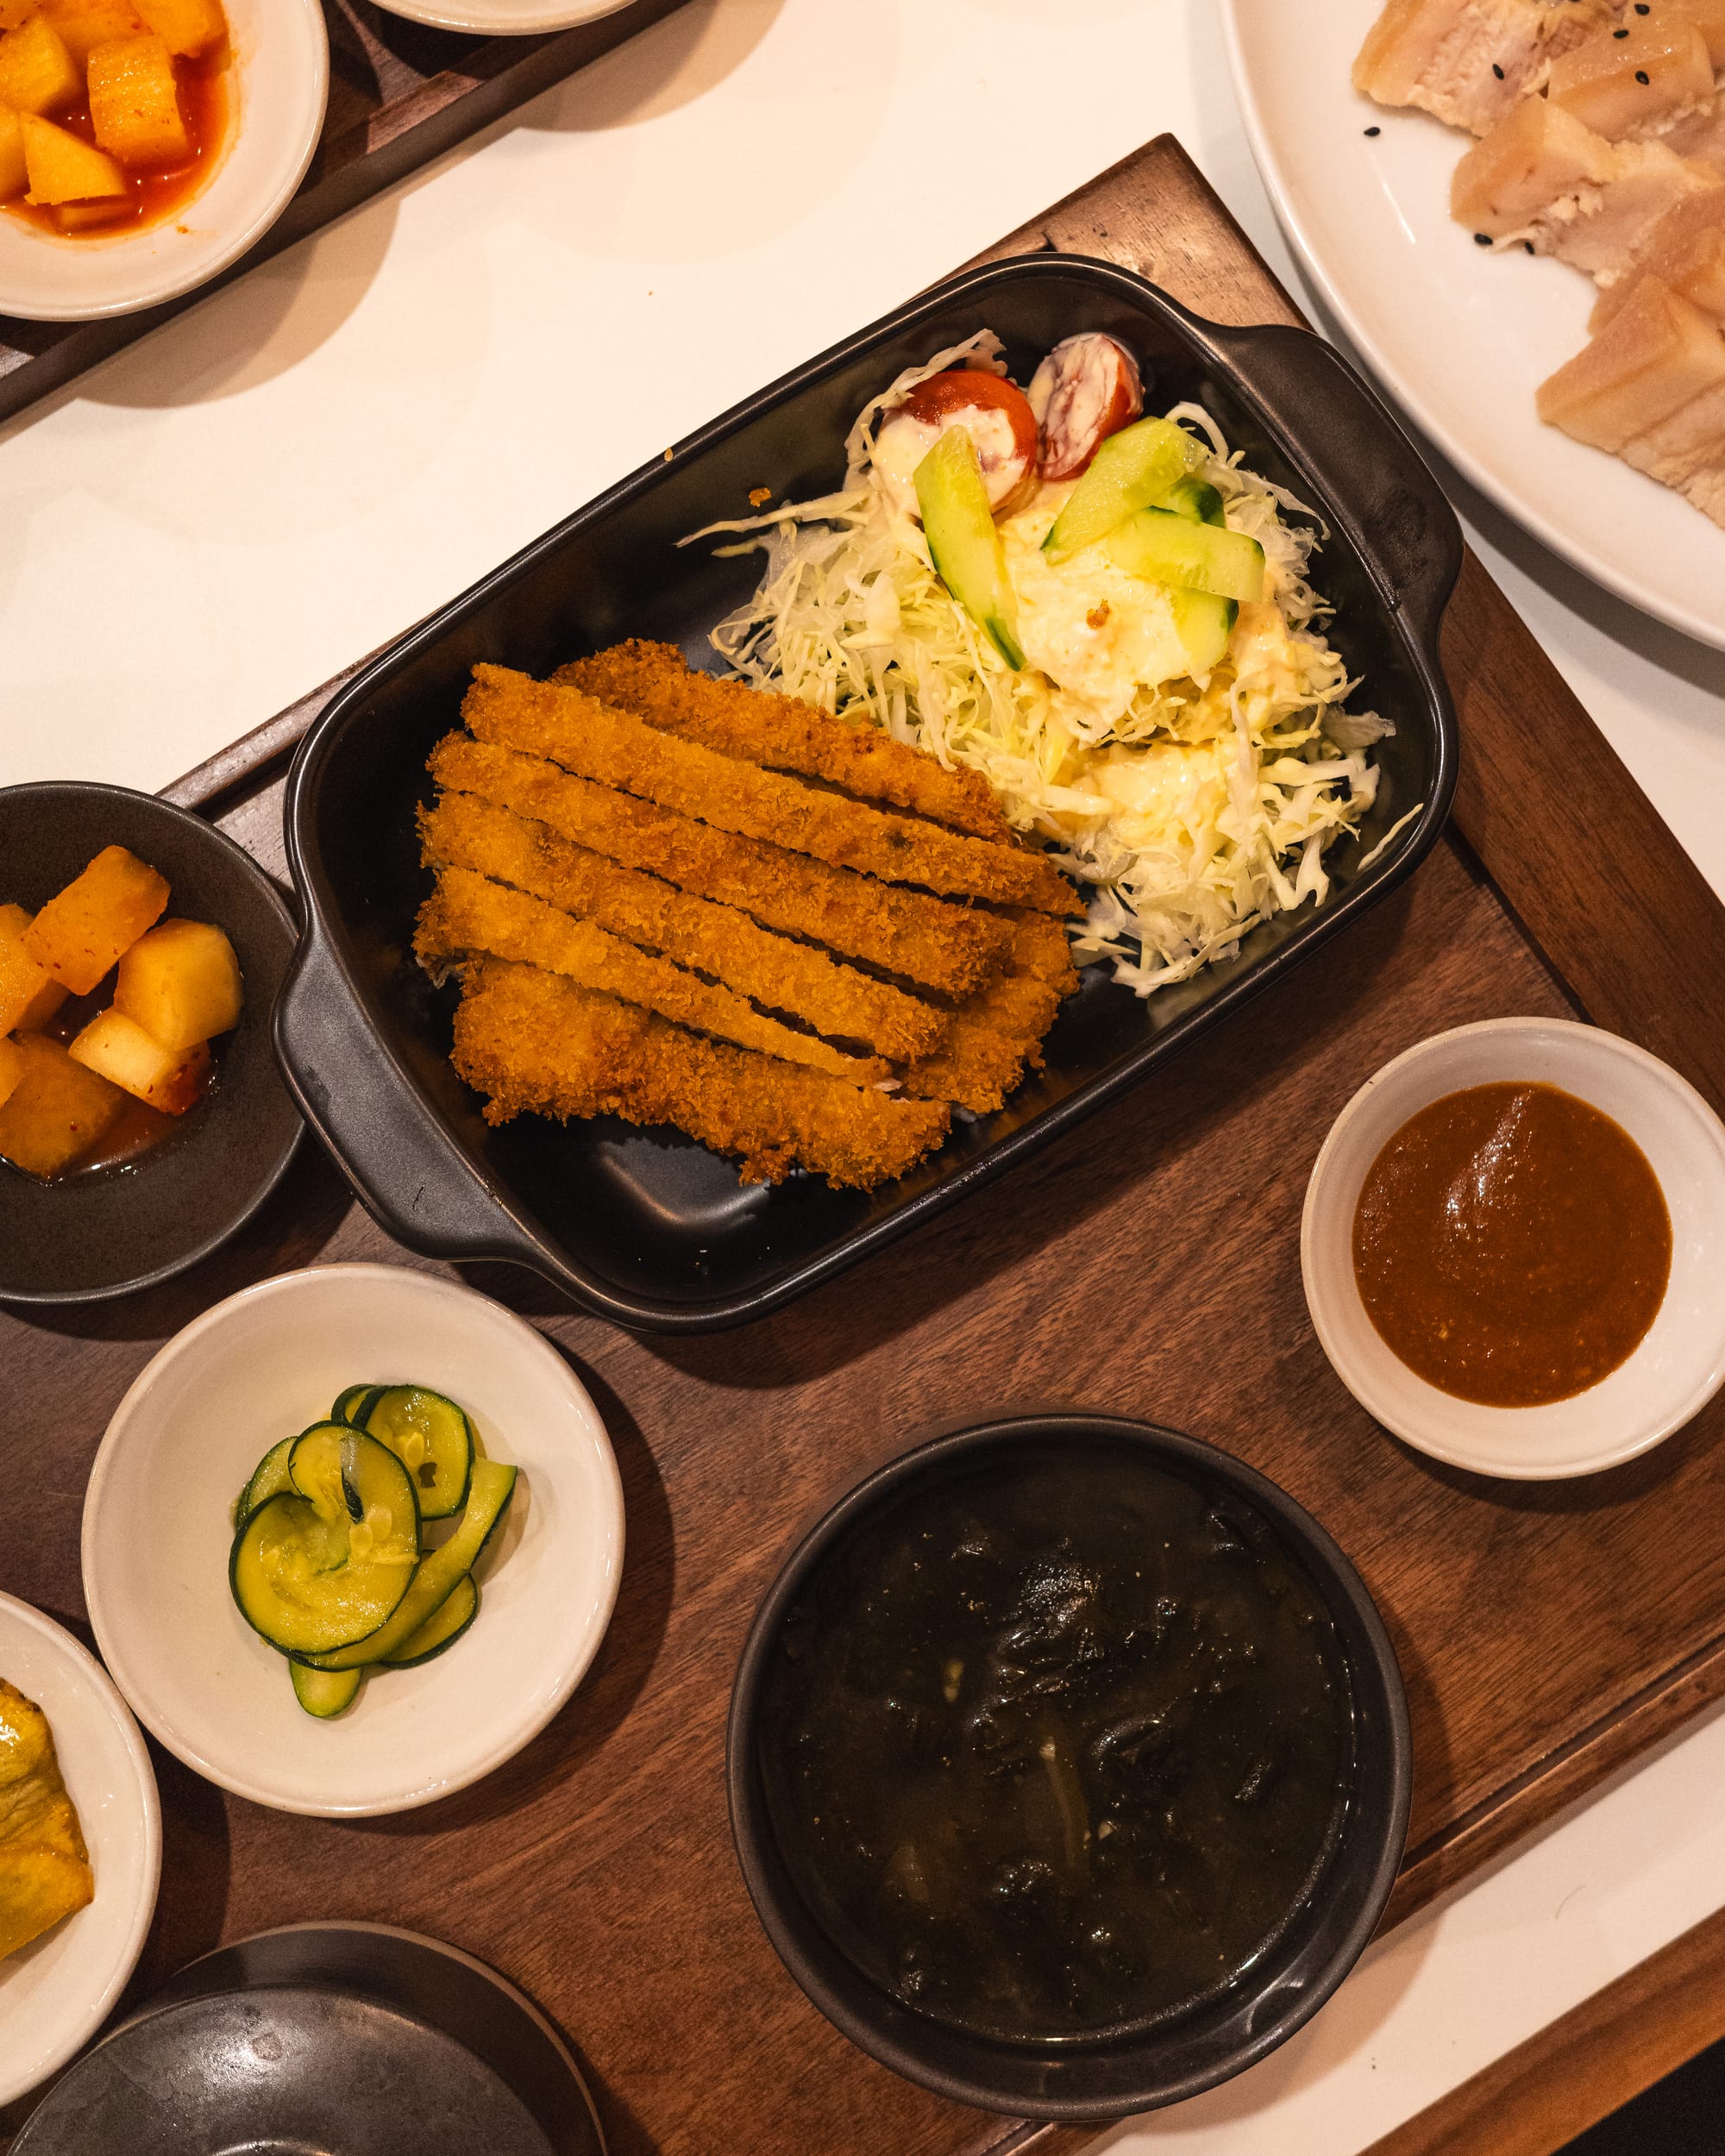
(1512, 1244)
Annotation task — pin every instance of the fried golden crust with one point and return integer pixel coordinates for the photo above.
(597, 742)
(653, 681)
(467, 914)
(533, 1042)
(997, 1035)
(951, 947)
(465, 832)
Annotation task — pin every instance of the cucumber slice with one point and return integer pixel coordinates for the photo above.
(489, 1491)
(1166, 548)
(342, 1472)
(323, 1692)
(1196, 499)
(963, 542)
(1204, 624)
(442, 1629)
(300, 1584)
(269, 1479)
(353, 1403)
(1133, 468)
(432, 1439)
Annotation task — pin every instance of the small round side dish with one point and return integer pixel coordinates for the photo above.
(56, 1992)
(108, 1231)
(279, 85)
(1141, 1763)
(158, 1529)
(1679, 1364)
(505, 18)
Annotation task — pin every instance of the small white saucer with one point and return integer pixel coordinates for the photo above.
(278, 85)
(1680, 1365)
(157, 1530)
(56, 1992)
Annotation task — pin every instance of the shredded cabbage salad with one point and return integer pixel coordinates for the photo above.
(1194, 808)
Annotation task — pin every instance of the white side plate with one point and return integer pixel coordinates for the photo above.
(1462, 337)
(157, 1531)
(59, 1990)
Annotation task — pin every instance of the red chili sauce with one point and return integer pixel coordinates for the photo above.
(1512, 1244)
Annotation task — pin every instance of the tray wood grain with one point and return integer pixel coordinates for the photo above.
(400, 94)
(1145, 1264)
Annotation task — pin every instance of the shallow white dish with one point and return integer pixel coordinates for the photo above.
(1680, 1365)
(278, 86)
(268, 1361)
(59, 1990)
(506, 18)
(1459, 335)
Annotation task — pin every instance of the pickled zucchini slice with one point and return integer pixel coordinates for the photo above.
(490, 1489)
(442, 1629)
(353, 1403)
(323, 1692)
(432, 1439)
(269, 1479)
(341, 1470)
(301, 1583)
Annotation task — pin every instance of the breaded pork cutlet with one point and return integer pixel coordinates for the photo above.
(535, 1043)
(462, 832)
(596, 740)
(654, 682)
(467, 915)
(939, 945)
(997, 1035)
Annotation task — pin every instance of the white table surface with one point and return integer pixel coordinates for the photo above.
(207, 526)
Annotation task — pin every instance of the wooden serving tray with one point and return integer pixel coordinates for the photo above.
(1147, 1264)
(400, 94)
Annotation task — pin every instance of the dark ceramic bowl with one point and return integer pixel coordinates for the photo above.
(357, 2040)
(110, 1231)
(644, 1226)
(1138, 2069)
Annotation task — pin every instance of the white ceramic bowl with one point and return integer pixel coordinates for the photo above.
(59, 1990)
(278, 86)
(1680, 1365)
(157, 1530)
(505, 18)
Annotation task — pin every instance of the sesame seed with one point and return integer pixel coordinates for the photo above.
(1641, 77)
(1371, 131)
(1528, 244)
(1642, 7)
(1482, 239)
(1497, 71)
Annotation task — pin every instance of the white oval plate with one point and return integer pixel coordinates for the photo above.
(56, 1992)
(279, 85)
(508, 18)
(1680, 1365)
(1460, 336)
(157, 1530)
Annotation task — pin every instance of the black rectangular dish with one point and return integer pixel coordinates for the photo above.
(648, 1228)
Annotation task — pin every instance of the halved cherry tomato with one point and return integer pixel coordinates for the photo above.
(1086, 389)
(998, 416)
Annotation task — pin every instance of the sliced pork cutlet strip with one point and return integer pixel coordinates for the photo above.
(595, 740)
(464, 832)
(533, 1043)
(466, 915)
(1467, 61)
(654, 682)
(1638, 83)
(997, 1035)
(951, 948)
(1543, 178)
(1656, 355)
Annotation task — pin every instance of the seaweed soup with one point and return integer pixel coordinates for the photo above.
(1058, 1747)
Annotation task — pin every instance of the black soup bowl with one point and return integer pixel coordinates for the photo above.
(108, 1231)
(1068, 1766)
